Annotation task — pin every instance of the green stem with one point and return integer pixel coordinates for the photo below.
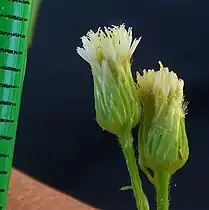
(126, 141)
(162, 189)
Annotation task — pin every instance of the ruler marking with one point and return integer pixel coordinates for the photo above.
(12, 34)
(4, 120)
(3, 172)
(3, 85)
(20, 1)
(5, 138)
(8, 68)
(13, 17)
(2, 190)
(2, 155)
(7, 103)
(9, 51)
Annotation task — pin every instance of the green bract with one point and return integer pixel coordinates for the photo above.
(163, 144)
(116, 101)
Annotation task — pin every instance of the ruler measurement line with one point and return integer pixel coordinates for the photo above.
(2, 190)
(8, 138)
(3, 172)
(7, 103)
(12, 34)
(4, 120)
(13, 17)
(20, 1)
(2, 155)
(9, 68)
(9, 51)
(3, 85)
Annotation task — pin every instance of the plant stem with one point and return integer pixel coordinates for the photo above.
(162, 189)
(126, 141)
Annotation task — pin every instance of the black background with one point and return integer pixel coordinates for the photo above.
(58, 141)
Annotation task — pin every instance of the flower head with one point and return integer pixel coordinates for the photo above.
(108, 44)
(163, 142)
(109, 52)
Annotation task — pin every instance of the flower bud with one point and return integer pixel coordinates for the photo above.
(163, 143)
(109, 52)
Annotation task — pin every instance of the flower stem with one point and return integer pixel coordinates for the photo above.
(162, 189)
(126, 141)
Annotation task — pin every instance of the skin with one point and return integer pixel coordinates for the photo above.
(26, 193)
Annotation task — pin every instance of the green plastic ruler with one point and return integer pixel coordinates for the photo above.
(14, 28)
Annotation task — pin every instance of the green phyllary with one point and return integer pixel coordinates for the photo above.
(162, 141)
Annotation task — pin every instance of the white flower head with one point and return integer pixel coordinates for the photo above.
(161, 87)
(108, 52)
(111, 43)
